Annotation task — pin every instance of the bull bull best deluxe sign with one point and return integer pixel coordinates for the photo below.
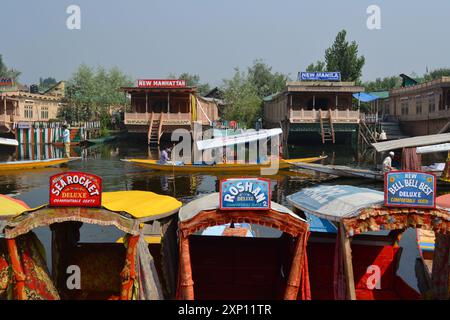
(410, 189)
(75, 189)
(242, 194)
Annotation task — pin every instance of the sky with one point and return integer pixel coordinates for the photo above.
(154, 38)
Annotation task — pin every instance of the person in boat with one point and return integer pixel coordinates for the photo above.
(66, 140)
(382, 136)
(387, 162)
(164, 157)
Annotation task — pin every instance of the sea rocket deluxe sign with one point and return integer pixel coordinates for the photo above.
(158, 83)
(252, 193)
(409, 189)
(70, 189)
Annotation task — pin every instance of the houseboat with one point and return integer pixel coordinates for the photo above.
(158, 107)
(317, 111)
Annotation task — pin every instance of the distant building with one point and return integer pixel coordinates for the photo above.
(421, 108)
(314, 111)
(159, 107)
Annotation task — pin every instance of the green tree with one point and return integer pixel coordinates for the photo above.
(193, 80)
(266, 81)
(47, 83)
(90, 93)
(382, 84)
(318, 66)
(343, 56)
(437, 73)
(242, 99)
(5, 72)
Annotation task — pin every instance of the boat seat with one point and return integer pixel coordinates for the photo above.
(100, 266)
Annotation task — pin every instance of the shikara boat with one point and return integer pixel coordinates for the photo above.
(131, 270)
(359, 259)
(34, 164)
(219, 167)
(236, 266)
(101, 139)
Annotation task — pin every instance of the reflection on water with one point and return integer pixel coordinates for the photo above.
(104, 160)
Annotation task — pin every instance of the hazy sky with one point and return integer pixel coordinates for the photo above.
(152, 38)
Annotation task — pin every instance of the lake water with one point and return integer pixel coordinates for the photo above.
(31, 186)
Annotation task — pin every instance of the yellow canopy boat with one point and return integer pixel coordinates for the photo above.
(34, 164)
(219, 167)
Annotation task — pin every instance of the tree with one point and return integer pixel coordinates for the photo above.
(319, 66)
(47, 83)
(437, 73)
(343, 57)
(90, 93)
(382, 84)
(265, 81)
(242, 99)
(193, 80)
(5, 72)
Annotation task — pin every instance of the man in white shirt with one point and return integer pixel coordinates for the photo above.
(66, 140)
(387, 162)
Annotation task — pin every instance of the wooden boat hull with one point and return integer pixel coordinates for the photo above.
(35, 164)
(228, 167)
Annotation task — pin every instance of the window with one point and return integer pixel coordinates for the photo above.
(44, 112)
(28, 112)
(418, 105)
(404, 108)
(431, 104)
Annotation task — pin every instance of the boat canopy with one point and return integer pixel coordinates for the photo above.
(434, 148)
(9, 142)
(412, 142)
(125, 210)
(211, 202)
(365, 97)
(335, 202)
(248, 136)
(11, 207)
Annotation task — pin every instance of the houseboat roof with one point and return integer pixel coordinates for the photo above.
(323, 86)
(155, 90)
(23, 94)
(442, 81)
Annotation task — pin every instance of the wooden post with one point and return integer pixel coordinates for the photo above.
(146, 105)
(294, 280)
(187, 284)
(348, 266)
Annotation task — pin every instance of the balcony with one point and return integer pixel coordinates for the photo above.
(312, 116)
(167, 118)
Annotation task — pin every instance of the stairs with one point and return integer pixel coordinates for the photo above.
(326, 128)
(392, 130)
(154, 131)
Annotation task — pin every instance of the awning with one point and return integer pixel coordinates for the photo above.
(412, 142)
(364, 97)
(335, 202)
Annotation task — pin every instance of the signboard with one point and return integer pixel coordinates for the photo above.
(6, 82)
(158, 83)
(24, 125)
(319, 76)
(409, 189)
(75, 189)
(245, 194)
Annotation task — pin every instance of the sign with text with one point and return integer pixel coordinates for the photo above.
(6, 82)
(159, 83)
(75, 189)
(409, 189)
(245, 194)
(319, 76)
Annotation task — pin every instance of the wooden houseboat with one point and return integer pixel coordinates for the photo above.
(159, 107)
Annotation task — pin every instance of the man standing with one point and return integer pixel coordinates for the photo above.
(387, 162)
(66, 140)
